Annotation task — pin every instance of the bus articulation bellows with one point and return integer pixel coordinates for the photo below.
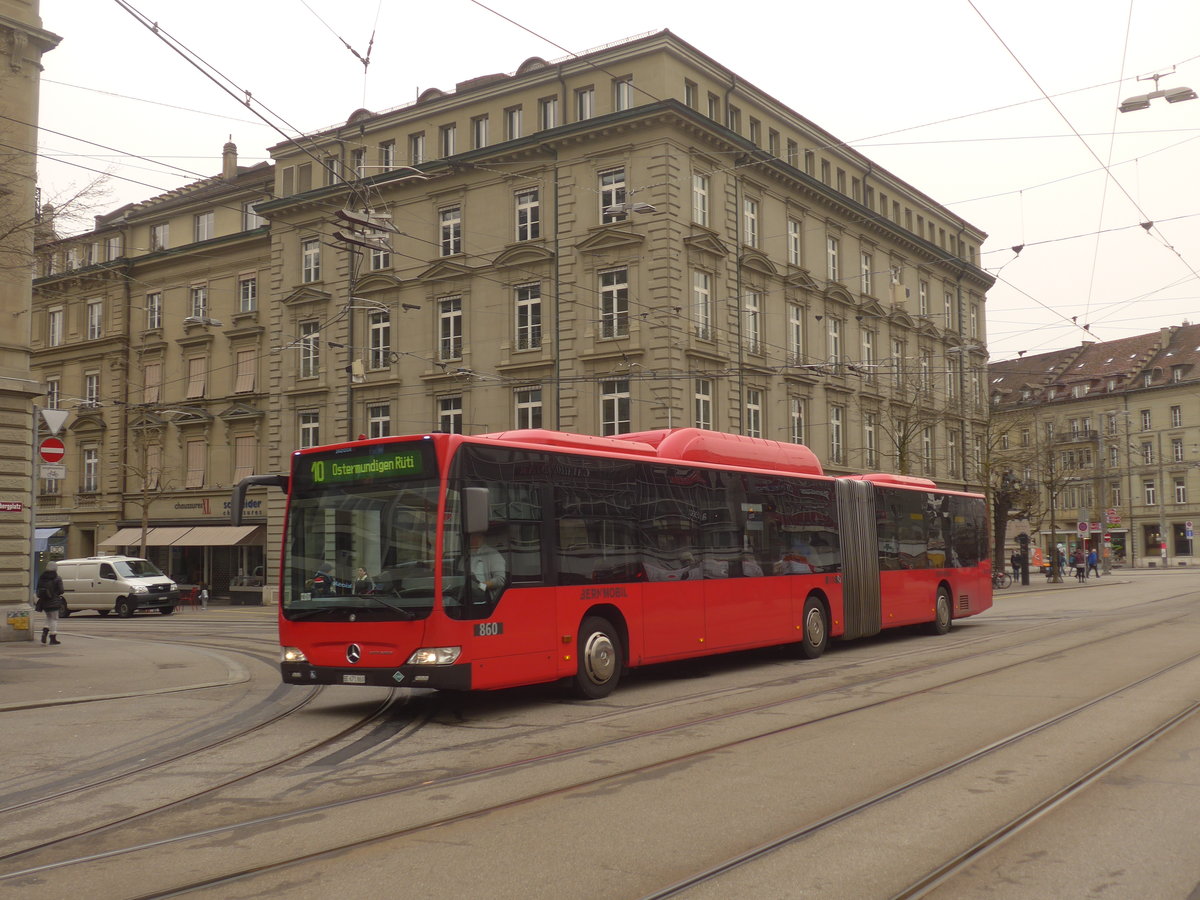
(489, 561)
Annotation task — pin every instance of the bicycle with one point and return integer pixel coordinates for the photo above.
(1001, 579)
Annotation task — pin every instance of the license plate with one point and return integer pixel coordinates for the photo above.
(354, 679)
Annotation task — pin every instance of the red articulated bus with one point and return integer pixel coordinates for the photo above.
(490, 561)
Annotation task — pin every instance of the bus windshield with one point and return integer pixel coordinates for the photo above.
(361, 535)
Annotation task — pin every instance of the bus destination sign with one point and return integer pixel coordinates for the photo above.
(400, 463)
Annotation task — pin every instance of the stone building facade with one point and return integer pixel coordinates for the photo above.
(633, 238)
(1108, 435)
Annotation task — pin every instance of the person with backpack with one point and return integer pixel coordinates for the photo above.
(50, 601)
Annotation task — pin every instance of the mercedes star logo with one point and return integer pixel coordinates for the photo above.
(354, 653)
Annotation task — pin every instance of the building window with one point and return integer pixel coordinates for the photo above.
(381, 257)
(700, 199)
(871, 439)
(309, 426)
(197, 381)
(243, 382)
(733, 118)
(379, 339)
(750, 222)
(310, 349)
(948, 299)
(585, 103)
(1145, 420)
(112, 247)
(793, 242)
(614, 407)
(714, 107)
(1177, 449)
(796, 416)
(310, 260)
(416, 148)
(244, 446)
(752, 333)
(358, 162)
(866, 265)
(755, 132)
(527, 411)
(529, 215)
(691, 94)
(754, 405)
(479, 132)
(451, 230)
(446, 136)
(450, 328)
(868, 358)
(952, 452)
(548, 113)
(837, 417)
(528, 307)
(703, 403)
(91, 390)
(95, 319)
(795, 328)
(198, 301)
(248, 293)
(450, 415)
(614, 303)
(512, 123)
(1176, 416)
(379, 420)
(387, 156)
(831, 258)
(53, 392)
(160, 236)
(922, 298)
(835, 340)
(1150, 495)
(927, 451)
(612, 194)
(251, 219)
(196, 453)
(202, 226)
(623, 94)
(90, 483)
(54, 327)
(1180, 491)
(702, 304)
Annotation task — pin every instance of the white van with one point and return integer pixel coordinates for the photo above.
(122, 583)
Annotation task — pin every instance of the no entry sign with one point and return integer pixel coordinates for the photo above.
(52, 450)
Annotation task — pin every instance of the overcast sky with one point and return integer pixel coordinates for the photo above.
(950, 95)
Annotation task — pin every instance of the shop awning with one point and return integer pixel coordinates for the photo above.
(221, 536)
(41, 537)
(199, 536)
(126, 537)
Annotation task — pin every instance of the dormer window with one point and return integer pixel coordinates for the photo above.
(1176, 374)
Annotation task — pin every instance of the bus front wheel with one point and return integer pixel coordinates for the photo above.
(599, 659)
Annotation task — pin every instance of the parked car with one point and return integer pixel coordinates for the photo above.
(123, 584)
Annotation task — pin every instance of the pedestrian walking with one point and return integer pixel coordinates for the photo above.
(50, 601)
(1080, 565)
(1093, 564)
(1015, 559)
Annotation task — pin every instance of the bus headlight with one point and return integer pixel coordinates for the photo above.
(292, 655)
(435, 656)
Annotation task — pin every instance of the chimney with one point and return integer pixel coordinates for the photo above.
(229, 166)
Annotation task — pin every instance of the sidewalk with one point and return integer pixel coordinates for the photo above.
(85, 667)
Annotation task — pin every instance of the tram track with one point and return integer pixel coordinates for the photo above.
(281, 819)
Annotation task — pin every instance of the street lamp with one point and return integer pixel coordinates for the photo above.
(1171, 95)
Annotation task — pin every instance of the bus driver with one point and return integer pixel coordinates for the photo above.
(487, 568)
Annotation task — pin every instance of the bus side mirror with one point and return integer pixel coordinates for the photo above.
(476, 509)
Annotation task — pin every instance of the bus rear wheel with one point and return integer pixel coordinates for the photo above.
(942, 616)
(599, 659)
(815, 629)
